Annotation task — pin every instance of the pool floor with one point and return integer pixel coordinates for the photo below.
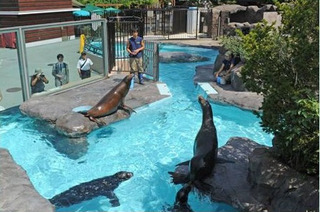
(150, 143)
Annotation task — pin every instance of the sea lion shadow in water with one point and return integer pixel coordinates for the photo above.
(205, 153)
(111, 102)
(86, 191)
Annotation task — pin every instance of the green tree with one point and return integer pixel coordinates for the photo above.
(126, 3)
(283, 65)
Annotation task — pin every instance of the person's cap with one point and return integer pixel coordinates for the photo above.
(37, 71)
(228, 53)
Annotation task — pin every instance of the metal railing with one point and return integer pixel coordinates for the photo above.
(110, 53)
(120, 31)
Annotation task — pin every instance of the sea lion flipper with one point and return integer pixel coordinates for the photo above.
(99, 123)
(113, 199)
(127, 108)
(178, 178)
(183, 163)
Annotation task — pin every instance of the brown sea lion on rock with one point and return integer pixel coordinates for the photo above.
(112, 101)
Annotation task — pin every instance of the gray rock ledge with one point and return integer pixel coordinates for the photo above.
(57, 108)
(180, 57)
(17, 193)
(258, 182)
(226, 93)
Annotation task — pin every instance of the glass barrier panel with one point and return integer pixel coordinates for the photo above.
(10, 83)
(54, 56)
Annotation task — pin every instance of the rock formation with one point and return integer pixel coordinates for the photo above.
(258, 182)
(180, 57)
(17, 193)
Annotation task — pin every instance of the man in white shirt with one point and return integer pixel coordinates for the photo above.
(84, 66)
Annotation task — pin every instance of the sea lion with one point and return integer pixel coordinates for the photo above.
(112, 101)
(181, 202)
(86, 191)
(205, 149)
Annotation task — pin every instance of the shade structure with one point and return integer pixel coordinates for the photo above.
(81, 13)
(94, 9)
(112, 10)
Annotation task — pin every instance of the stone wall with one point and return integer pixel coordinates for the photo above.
(223, 15)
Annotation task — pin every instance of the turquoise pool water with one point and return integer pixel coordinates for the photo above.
(150, 143)
(96, 48)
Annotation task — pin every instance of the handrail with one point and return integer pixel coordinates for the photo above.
(50, 25)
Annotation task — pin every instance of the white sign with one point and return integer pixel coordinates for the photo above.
(95, 25)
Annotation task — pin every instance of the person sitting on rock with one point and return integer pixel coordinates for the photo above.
(222, 72)
(223, 75)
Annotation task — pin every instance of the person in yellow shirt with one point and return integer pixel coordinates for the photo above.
(82, 42)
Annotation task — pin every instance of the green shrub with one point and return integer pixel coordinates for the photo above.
(283, 65)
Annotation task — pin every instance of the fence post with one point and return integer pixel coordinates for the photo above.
(197, 22)
(24, 76)
(155, 62)
(105, 47)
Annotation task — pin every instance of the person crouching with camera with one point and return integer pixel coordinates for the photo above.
(38, 79)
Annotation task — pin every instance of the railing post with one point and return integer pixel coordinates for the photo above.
(105, 47)
(197, 22)
(23, 66)
(155, 62)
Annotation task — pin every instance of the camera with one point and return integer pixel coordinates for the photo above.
(41, 75)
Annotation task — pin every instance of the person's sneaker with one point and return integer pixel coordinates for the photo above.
(141, 83)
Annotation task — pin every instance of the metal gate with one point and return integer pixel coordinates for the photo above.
(119, 31)
(179, 21)
(167, 23)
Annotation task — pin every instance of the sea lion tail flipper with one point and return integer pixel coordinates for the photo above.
(183, 163)
(178, 178)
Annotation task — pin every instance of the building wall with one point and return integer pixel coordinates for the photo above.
(25, 5)
(9, 5)
(48, 11)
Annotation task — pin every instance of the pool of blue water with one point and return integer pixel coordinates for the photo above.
(95, 47)
(150, 143)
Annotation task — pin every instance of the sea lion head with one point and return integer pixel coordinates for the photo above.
(124, 175)
(128, 78)
(203, 102)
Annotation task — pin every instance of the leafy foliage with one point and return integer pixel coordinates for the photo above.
(283, 65)
(125, 3)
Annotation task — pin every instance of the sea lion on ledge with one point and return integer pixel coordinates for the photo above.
(86, 191)
(112, 101)
(205, 149)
